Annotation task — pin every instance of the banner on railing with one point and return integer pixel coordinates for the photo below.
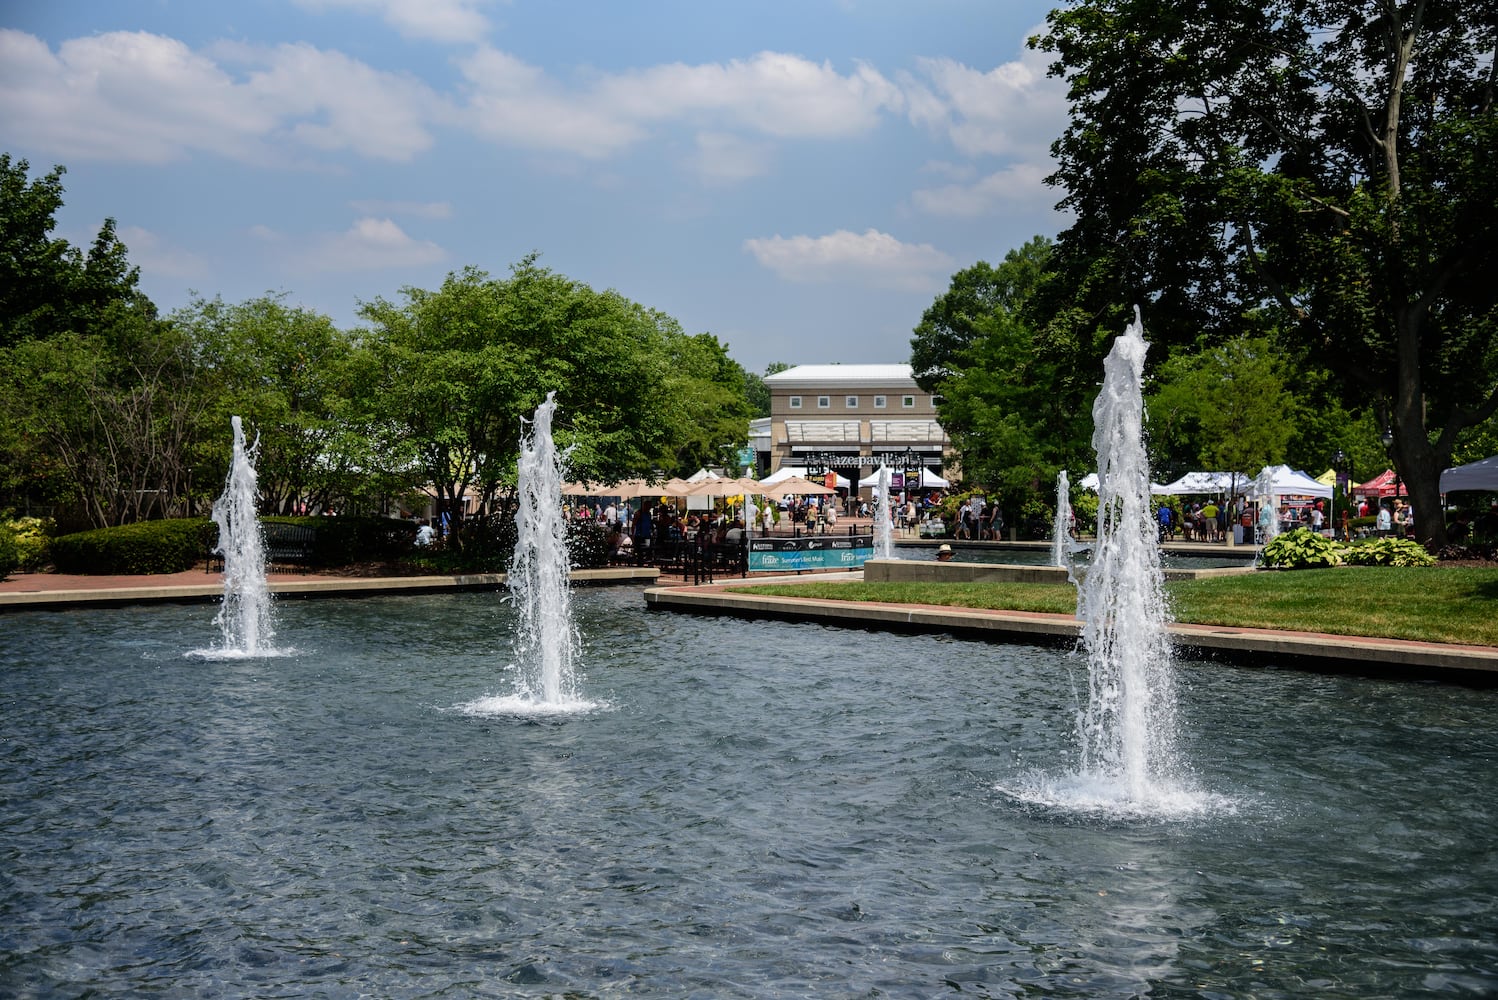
(787, 555)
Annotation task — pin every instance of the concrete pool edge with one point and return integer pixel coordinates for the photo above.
(1389, 658)
(101, 592)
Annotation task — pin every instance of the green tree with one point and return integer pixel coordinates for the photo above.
(107, 418)
(1225, 408)
(100, 394)
(711, 394)
(1325, 164)
(48, 286)
(459, 368)
(288, 372)
(1011, 396)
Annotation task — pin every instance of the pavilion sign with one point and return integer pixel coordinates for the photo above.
(785, 555)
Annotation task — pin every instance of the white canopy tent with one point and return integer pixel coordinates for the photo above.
(1091, 482)
(1285, 481)
(1205, 482)
(1481, 475)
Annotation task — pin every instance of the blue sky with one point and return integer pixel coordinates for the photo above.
(800, 178)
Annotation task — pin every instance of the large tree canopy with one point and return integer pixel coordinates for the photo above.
(292, 376)
(460, 367)
(1322, 170)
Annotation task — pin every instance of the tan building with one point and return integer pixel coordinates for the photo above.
(846, 418)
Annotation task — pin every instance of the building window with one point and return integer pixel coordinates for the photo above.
(795, 402)
(879, 402)
(850, 402)
(824, 402)
(908, 402)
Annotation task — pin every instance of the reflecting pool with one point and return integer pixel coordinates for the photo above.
(760, 810)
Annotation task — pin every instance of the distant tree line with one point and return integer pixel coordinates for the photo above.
(116, 414)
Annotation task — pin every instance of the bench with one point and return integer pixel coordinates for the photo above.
(289, 544)
(285, 544)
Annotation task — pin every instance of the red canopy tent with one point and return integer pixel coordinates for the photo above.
(1382, 485)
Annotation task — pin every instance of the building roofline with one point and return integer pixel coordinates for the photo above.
(847, 376)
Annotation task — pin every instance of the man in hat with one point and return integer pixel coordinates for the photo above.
(944, 553)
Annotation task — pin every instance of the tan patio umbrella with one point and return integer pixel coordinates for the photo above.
(627, 489)
(725, 488)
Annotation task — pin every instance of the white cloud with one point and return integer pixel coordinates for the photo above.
(1013, 109)
(370, 244)
(130, 96)
(870, 257)
(1021, 184)
(515, 103)
(437, 20)
(144, 98)
(331, 102)
(155, 257)
(772, 94)
(141, 97)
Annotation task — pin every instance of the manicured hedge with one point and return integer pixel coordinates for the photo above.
(147, 547)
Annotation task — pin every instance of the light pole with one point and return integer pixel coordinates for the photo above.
(1344, 482)
(1388, 440)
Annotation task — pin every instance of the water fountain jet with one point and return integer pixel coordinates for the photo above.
(545, 645)
(244, 617)
(1127, 730)
(884, 524)
(1061, 539)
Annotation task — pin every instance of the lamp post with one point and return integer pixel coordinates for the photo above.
(1341, 482)
(1388, 440)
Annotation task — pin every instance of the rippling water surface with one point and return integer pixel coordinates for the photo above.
(761, 810)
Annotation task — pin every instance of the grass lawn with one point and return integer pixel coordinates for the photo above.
(1436, 604)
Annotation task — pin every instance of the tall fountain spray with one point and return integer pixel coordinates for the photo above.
(884, 522)
(1128, 728)
(245, 615)
(1127, 731)
(545, 645)
(546, 642)
(1061, 531)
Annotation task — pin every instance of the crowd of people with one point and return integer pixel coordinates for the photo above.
(1210, 521)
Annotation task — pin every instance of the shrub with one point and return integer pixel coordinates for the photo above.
(146, 547)
(1302, 549)
(10, 553)
(32, 536)
(1389, 552)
